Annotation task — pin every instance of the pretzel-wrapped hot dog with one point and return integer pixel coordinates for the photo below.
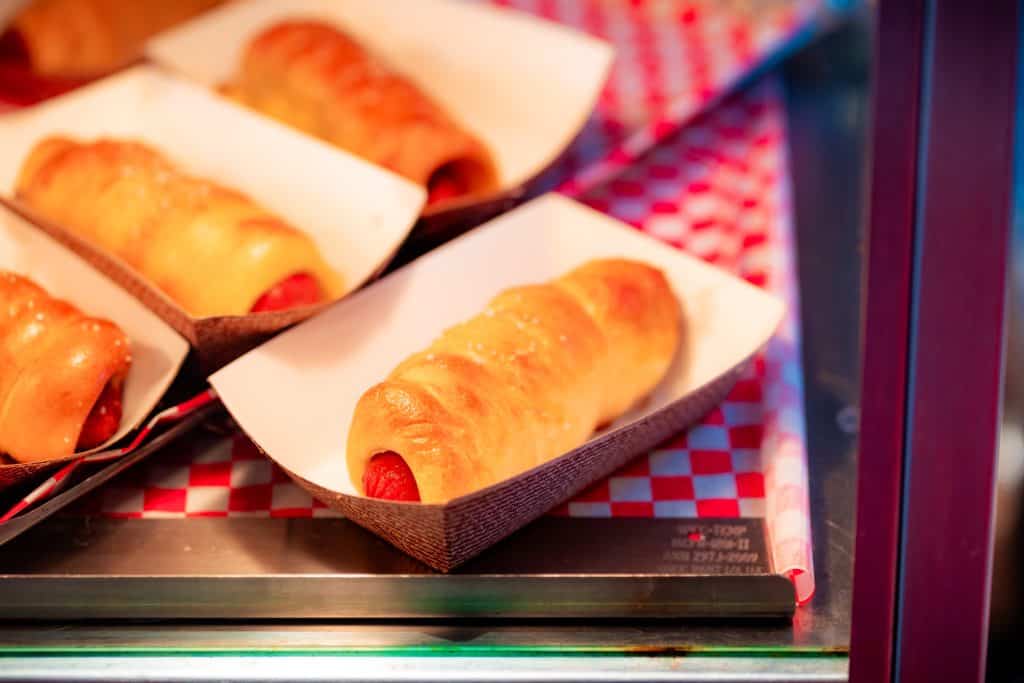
(61, 374)
(316, 78)
(528, 379)
(212, 250)
(83, 38)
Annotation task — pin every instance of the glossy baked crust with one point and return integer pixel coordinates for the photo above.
(80, 38)
(316, 78)
(54, 364)
(528, 379)
(212, 250)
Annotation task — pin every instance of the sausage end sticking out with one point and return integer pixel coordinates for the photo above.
(103, 420)
(300, 289)
(387, 476)
(444, 186)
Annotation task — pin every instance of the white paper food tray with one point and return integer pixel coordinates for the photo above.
(157, 350)
(525, 87)
(358, 214)
(295, 395)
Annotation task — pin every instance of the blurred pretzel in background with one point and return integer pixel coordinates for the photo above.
(77, 39)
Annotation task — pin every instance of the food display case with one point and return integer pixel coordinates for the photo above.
(760, 155)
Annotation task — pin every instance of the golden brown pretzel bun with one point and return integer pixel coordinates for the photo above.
(55, 362)
(525, 381)
(316, 78)
(82, 38)
(211, 249)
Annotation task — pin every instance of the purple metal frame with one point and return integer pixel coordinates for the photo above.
(932, 382)
(886, 335)
(956, 372)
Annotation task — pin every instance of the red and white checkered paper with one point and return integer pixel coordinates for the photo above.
(674, 59)
(718, 189)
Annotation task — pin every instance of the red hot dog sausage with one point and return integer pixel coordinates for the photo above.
(387, 476)
(444, 186)
(103, 420)
(300, 289)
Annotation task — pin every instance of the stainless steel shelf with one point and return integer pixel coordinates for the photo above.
(82, 568)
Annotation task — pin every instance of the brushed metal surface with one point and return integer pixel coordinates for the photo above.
(332, 568)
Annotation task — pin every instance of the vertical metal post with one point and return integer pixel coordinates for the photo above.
(888, 266)
(951, 372)
(957, 336)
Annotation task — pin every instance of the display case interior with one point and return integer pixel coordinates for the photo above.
(605, 574)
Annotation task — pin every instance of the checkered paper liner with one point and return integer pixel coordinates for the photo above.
(674, 60)
(719, 190)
